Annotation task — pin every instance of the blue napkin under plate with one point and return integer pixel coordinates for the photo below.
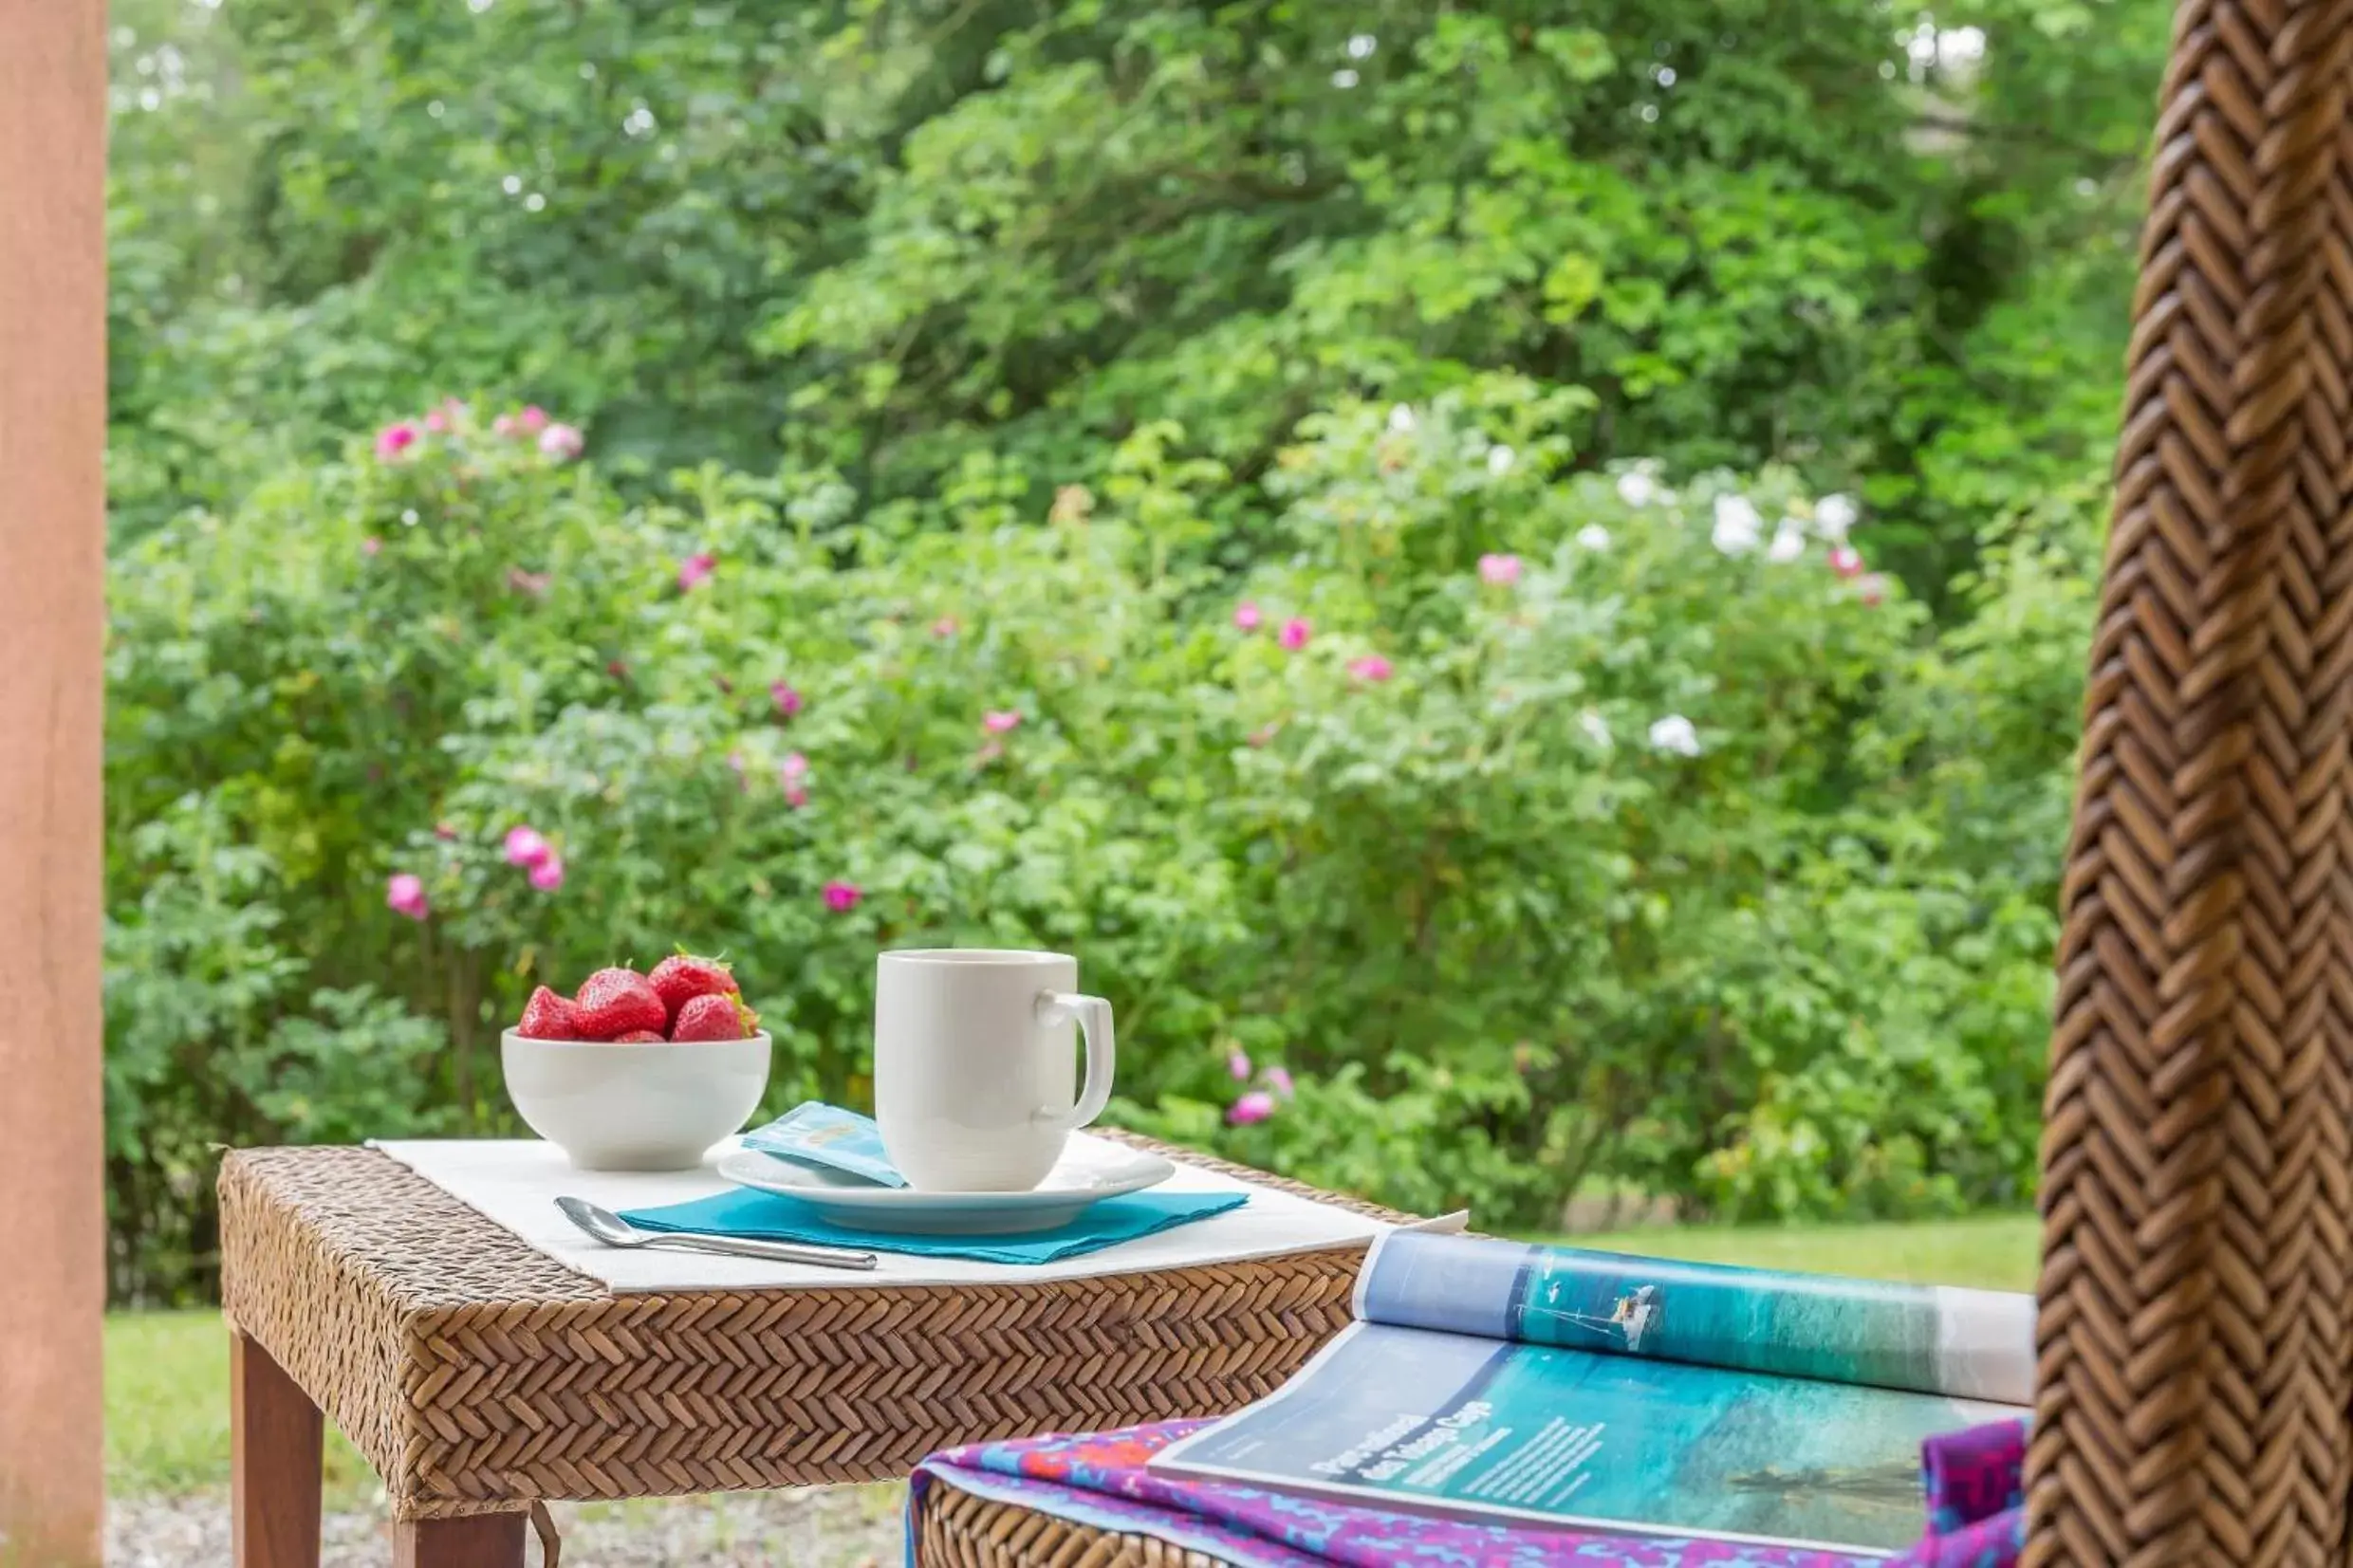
(772, 1216)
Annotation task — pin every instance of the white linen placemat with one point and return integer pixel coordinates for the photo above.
(515, 1182)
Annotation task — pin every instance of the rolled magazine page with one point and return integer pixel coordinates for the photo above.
(1967, 1344)
(1540, 1437)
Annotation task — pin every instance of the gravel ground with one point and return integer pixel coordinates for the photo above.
(820, 1527)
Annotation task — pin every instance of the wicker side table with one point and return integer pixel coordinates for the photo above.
(480, 1377)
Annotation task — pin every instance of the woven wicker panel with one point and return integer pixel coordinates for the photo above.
(957, 1529)
(2197, 1189)
(476, 1373)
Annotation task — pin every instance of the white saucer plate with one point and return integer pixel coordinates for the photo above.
(1085, 1176)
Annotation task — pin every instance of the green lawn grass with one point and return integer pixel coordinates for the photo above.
(1993, 1252)
(167, 1373)
(167, 1409)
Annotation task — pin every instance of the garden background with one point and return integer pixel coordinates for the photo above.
(1513, 580)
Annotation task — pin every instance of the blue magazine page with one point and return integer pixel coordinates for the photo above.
(1556, 1387)
(1975, 1343)
(1504, 1431)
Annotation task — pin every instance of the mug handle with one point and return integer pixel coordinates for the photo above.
(1094, 1018)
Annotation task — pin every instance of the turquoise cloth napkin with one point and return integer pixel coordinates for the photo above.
(774, 1217)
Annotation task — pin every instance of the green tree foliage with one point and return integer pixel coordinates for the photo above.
(1887, 248)
(1572, 816)
(999, 353)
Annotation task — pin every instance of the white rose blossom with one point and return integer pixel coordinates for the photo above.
(1636, 488)
(1834, 515)
(1593, 537)
(1499, 459)
(1789, 542)
(1401, 418)
(1675, 734)
(1738, 525)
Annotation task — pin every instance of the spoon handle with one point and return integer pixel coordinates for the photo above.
(775, 1252)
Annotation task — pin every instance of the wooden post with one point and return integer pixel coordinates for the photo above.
(52, 567)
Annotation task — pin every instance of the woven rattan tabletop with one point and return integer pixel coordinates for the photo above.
(479, 1375)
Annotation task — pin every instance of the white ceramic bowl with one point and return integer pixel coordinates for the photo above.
(649, 1107)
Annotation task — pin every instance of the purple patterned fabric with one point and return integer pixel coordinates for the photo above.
(1977, 1498)
(1101, 1480)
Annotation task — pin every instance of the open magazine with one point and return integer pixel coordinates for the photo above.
(1515, 1384)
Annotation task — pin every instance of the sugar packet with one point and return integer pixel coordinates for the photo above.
(815, 1133)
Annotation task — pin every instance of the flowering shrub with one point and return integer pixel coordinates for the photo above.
(1597, 881)
(1506, 828)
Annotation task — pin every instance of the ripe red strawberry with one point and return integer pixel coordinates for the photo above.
(613, 1002)
(679, 981)
(714, 1018)
(641, 1037)
(549, 1016)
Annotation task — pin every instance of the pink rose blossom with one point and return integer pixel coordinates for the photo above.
(1255, 1106)
(506, 424)
(534, 417)
(1499, 571)
(404, 894)
(1000, 721)
(1846, 561)
(787, 701)
(562, 442)
(842, 897)
(1294, 634)
(795, 767)
(1871, 589)
(1238, 1064)
(1246, 617)
(1279, 1080)
(796, 796)
(548, 874)
(371, 546)
(944, 627)
(394, 440)
(437, 421)
(525, 846)
(1372, 667)
(695, 570)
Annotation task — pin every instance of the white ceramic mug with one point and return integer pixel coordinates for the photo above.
(973, 1065)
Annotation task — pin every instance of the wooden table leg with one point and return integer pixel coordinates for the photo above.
(483, 1540)
(275, 1439)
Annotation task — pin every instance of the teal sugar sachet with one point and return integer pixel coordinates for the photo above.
(828, 1137)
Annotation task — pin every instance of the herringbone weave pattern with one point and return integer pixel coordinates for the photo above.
(956, 1529)
(478, 1374)
(2197, 1169)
